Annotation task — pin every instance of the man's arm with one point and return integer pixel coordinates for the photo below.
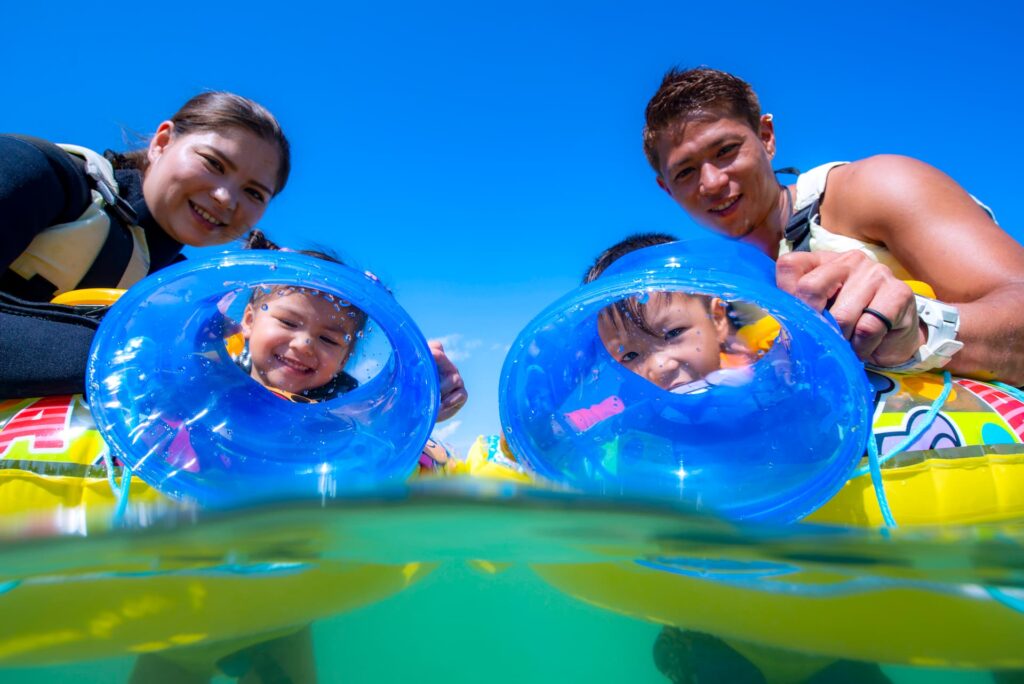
(942, 237)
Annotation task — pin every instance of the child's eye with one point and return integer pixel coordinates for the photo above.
(329, 341)
(256, 195)
(288, 323)
(674, 332)
(629, 356)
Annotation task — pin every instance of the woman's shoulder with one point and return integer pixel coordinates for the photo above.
(37, 173)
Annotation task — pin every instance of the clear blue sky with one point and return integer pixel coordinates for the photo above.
(479, 158)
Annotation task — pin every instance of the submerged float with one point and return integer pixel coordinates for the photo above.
(951, 448)
(169, 404)
(943, 451)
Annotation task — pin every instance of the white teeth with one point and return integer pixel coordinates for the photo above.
(294, 364)
(724, 205)
(205, 215)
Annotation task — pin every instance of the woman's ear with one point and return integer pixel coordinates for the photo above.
(720, 319)
(160, 140)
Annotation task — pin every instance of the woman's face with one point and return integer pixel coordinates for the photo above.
(209, 187)
(719, 171)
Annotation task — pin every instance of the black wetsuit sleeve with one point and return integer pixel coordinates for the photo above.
(41, 185)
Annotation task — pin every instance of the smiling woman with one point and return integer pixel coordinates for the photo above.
(71, 218)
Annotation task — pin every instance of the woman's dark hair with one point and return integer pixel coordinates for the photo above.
(217, 110)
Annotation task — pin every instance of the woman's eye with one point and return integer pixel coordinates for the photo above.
(629, 356)
(213, 163)
(674, 332)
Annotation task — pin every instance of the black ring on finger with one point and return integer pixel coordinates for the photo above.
(886, 321)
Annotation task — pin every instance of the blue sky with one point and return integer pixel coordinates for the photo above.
(478, 157)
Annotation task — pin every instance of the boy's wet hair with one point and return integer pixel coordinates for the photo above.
(622, 248)
(691, 91)
(257, 240)
(217, 110)
(632, 310)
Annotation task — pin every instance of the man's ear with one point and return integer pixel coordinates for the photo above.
(663, 185)
(720, 319)
(160, 140)
(767, 134)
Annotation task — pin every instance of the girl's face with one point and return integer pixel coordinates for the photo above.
(209, 187)
(298, 340)
(689, 335)
(719, 171)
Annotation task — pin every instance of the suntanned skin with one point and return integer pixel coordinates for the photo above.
(928, 222)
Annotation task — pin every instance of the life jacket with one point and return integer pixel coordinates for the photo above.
(85, 252)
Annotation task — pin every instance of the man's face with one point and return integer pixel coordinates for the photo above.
(719, 171)
(683, 345)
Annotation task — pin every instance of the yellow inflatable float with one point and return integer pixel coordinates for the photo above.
(964, 465)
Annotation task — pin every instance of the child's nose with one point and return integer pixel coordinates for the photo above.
(661, 368)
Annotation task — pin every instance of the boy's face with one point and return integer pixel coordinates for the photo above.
(298, 340)
(686, 344)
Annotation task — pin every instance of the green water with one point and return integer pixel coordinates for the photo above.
(460, 620)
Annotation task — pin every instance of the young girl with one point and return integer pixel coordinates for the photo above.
(298, 340)
(72, 219)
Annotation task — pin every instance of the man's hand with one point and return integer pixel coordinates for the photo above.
(875, 310)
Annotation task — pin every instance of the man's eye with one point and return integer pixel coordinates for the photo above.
(684, 173)
(629, 356)
(674, 332)
(256, 195)
(728, 149)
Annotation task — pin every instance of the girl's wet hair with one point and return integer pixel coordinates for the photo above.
(217, 110)
(257, 240)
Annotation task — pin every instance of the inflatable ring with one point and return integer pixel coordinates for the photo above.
(774, 448)
(175, 408)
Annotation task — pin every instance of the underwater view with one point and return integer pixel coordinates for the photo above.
(468, 581)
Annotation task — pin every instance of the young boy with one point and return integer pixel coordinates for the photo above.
(674, 339)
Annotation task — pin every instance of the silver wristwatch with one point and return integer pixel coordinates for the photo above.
(943, 323)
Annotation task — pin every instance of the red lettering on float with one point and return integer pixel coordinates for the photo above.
(43, 423)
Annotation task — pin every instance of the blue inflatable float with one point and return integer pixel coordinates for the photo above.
(177, 409)
(770, 443)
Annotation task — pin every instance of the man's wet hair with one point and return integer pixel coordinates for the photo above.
(632, 310)
(693, 91)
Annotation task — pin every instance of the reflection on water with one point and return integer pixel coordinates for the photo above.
(505, 585)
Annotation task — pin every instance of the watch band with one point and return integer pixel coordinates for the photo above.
(943, 323)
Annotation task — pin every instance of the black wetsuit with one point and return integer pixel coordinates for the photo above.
(43, 347)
